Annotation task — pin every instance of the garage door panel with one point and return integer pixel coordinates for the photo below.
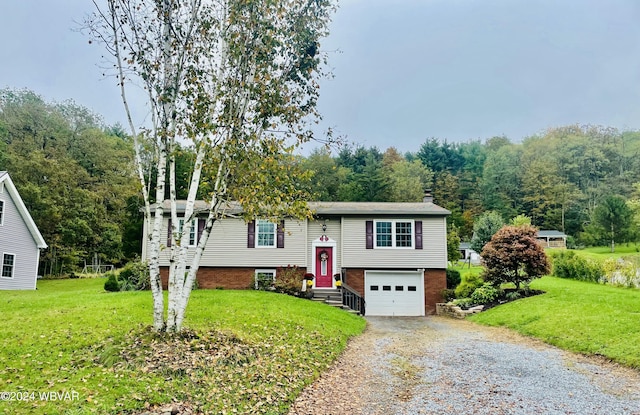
(394, 293)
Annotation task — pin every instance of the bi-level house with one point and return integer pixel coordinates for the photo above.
(393, 255)
(20, 240)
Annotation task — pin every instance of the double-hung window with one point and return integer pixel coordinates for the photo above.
(8, 263)
(193, 233)
(394, 234)
(264, 279)
(265, 234)
(262, 233)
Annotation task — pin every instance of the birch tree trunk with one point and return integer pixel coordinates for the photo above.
(238, 80)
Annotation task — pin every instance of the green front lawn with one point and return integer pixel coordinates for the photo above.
(244, 352)
(582, 317)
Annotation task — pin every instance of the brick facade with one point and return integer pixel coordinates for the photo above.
(355, 280)
(228, 278)
(211, 278)
(435, 280)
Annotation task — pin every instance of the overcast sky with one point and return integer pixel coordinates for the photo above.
(406, 70)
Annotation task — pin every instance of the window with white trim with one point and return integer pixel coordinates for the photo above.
(1, 212)
(8, 264)
(394, 234)
(193, 233)
(265, 234)
(264, 279)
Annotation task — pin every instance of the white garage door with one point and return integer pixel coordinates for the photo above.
(394, 293)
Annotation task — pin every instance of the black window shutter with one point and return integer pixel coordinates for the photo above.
(369, 232)
(280, 235)
(251, 234)
(201, 223)
(418, 231)
(169, 233)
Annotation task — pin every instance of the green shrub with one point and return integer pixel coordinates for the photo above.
(448, 295)
(464, 303)
(112, 282)
(289, 280)
(135, 276)
(513, 296)
(567, 264)
(468, 285)
(453, 278)
(620, 272)
(485, 294)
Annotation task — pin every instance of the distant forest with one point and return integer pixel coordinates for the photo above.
(76, 176)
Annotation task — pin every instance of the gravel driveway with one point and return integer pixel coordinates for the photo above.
(437, 365)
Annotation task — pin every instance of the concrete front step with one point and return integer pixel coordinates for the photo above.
(327, 295)
(332, 297)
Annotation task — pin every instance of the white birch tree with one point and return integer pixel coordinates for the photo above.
(237, 79)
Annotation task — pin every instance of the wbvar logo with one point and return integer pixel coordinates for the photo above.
(59, 396)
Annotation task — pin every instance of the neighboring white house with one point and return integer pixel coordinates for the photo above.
(20, 240)
(468, 254)
(392, 254)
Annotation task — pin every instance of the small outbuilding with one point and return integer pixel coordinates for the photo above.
(552, 239)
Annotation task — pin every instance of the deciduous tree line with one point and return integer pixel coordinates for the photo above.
(77, 178)
(569, 179)
(75, 175)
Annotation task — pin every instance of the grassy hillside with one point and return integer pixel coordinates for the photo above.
(244, 352)
(582, 317)
(604, 252)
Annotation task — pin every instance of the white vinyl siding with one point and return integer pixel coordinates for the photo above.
(227, 247)
(432, 255)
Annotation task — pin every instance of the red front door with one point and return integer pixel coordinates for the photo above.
(324, 267)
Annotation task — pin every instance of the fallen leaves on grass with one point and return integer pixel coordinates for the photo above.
(216, 372)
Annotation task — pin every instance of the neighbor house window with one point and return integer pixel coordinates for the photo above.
(193, 233)
(265, 278)
(394, 234)
(265, 234)
(8, 263)
(1, 212)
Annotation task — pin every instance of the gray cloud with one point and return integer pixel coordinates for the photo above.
(408, 69)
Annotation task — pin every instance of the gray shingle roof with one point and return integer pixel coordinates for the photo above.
(378, 208)
(341, 208)
(551, 234)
